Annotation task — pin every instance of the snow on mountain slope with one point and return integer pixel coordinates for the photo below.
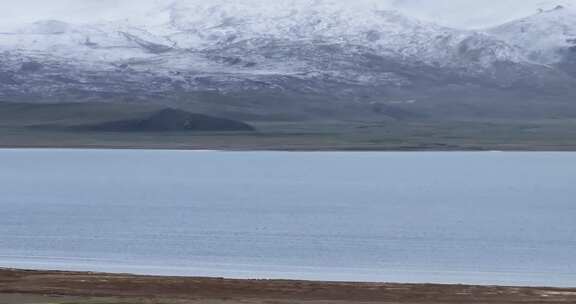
(201, 25)
(543, 37)
(548, 37)
(334, 49)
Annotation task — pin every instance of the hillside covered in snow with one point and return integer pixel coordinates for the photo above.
(548, 37)
(297, 59)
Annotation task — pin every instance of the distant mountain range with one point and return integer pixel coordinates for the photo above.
(290, 62)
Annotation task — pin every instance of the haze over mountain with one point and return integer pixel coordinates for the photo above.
(453, 13)
(299, 59)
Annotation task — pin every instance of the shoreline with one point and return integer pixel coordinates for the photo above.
(280, 150)
(303, 273)
(16, 283)
(269, 149)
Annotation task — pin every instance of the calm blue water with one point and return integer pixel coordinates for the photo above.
(488, 218)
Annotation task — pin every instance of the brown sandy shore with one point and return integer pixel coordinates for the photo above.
(53, 287)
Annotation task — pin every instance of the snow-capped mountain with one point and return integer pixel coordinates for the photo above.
(548, 37)
(252, 54)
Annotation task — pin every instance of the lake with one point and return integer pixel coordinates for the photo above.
(478, 218)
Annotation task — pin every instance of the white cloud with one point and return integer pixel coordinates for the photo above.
(456, 13)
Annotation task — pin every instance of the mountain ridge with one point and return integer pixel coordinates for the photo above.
(367, 61)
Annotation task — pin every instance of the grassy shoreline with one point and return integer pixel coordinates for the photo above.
(72, 126)
(399, 136)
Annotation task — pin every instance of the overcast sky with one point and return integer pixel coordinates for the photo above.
(456, 13)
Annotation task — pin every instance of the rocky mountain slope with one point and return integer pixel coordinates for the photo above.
(299, 59)
(548, 37)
